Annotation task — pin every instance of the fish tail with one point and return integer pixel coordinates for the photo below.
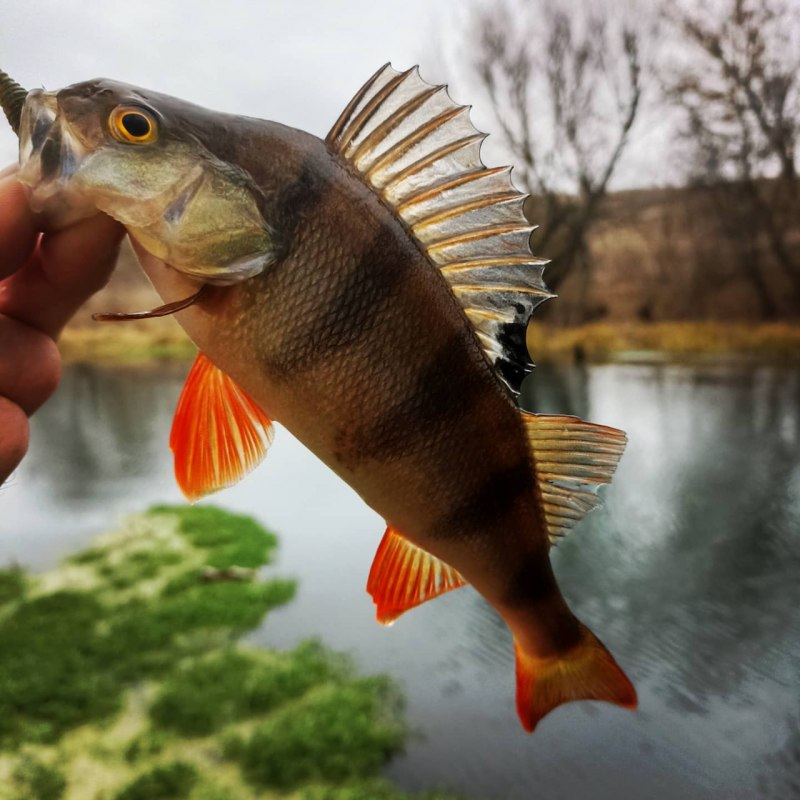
(586, 671)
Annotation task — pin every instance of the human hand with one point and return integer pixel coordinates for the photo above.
(43, 281)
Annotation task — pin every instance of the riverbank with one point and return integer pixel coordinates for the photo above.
(122, 677)
(126, 343)
(773, 343)
(160, 341)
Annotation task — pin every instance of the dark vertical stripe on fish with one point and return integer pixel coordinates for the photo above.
(490, 502)
(350, 307)
(531, 581)
(288, 206)
(444, 393)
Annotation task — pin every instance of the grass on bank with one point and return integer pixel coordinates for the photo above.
(125, 343)
(674, 341)
(122, 678)
(132, 343)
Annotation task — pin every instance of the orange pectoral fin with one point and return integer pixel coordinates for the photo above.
(218, 434)
(404, 575)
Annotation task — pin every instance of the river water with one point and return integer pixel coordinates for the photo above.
(690, 574)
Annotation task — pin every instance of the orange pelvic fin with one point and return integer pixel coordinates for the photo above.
(404, 575)
(585, 672)
(218, 434)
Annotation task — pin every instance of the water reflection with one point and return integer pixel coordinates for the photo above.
(106, 424)
(780, 777)
(98, 449)
(688, 573)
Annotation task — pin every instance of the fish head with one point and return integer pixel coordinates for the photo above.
(141, 158)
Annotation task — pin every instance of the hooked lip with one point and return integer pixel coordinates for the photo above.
(49, 155)
(49, 152)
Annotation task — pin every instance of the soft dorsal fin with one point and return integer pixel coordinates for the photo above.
(572, 459)
(218, 434)
(404, 575)
(419, 151)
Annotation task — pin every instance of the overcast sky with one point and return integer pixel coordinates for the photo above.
(297, 62)
(294, 61)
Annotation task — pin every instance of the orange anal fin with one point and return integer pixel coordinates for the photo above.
(218, 434)
(586, 672)
(404, 575)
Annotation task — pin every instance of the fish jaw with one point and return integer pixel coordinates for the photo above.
(50, 154)
(63, 171)
(186, 207)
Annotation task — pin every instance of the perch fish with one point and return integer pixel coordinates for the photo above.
(371, 292)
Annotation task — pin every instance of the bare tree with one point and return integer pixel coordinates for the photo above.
(739, 89)
(565, 90)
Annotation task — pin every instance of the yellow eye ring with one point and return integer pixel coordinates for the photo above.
(133, 125)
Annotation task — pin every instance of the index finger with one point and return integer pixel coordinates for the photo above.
(48, 282)
(18, 229)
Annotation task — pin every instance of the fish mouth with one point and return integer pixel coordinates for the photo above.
(49, 156)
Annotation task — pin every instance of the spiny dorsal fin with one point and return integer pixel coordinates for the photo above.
(218, 434)
(404, 576)
(572, 459)
(418, 149)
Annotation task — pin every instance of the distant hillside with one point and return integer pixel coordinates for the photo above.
(657, 255)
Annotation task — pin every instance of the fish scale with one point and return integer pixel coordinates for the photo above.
(371, 292)
(410, 342)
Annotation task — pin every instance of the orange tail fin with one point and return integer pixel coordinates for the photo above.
(585, 672)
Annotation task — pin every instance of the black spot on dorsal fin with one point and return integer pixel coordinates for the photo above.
(421, 153)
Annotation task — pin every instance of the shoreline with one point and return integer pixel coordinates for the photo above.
(125, 344)
(666, 342)
(596, 343)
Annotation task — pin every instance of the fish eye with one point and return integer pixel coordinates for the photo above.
(133, 125)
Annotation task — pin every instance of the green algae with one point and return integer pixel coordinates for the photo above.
(334, 734)
(235, 685)
(35, 780)
(122, 677)
(13, 585)
(70, 653)
(370, 790)
(230, 540)
(173, 781)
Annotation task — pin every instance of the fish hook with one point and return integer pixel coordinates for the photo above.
(161, 311)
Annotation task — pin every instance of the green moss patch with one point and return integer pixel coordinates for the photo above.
(34, 780)
(333, 735)
(122, 678)
(235, 685)
(229, 540)
(12, 585)
(368, 790)
(70, 653)
(173, 781)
